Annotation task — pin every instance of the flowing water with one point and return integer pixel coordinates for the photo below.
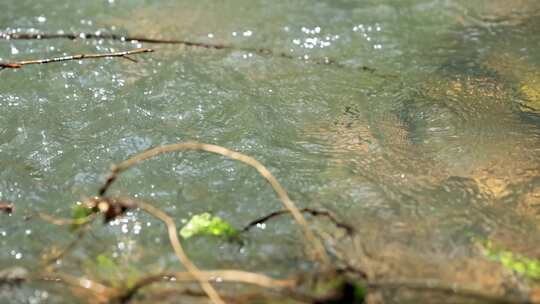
(434, 145)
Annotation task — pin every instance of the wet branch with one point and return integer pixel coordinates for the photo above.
(122, 54)
(150, 40)
(109, 36)
(314, 212)
(180, 253)
(6, 207)
(236, 276)
(319, 251)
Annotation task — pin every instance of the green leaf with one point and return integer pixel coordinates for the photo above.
(206, 224)
(80, 215)
(105, 262)
(528, 267)
(360, 293)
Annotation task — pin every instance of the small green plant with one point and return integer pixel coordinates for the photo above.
(118, 273)
(528, 267)
(206, 224)
(80, 216)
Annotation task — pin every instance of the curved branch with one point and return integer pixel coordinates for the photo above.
(319, 251)
(179, 251)
(314, 212)
(235, 276)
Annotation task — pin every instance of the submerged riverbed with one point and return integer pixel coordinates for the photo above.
(423, 133)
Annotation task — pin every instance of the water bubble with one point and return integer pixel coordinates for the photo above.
(41, 19)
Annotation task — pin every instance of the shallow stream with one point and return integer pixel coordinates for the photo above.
(423, 134)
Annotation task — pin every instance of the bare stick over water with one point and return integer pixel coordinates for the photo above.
(318, 249)
(150, 40)
(121, 54)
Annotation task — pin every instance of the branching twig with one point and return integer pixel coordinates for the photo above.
(69, 247)
(122, 54)
(320, 252)
(206, 45)
(236, 276)
(314, 212)
(179, 251)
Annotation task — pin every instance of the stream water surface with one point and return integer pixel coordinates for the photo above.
(434, 146)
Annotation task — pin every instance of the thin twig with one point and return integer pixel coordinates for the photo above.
(68, 248)
(320, 252)
(141, 39)
(101, 293)
(65, 221)
(314, 212)
(236, 276)
(122, 54)
(179, 251)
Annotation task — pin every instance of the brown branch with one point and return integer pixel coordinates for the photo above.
(142, 39)
(122, 54)
(109, 36)
(64, 221)
(113, 207)
(100, 293)
(6, 207)
(68, 248)
(179, 251)
(314, 212)
(319, 251)
(236, 276)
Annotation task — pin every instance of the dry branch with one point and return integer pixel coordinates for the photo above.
(122, 54)
(235, 276)
(142, 39)
(179, 251)
(319, 251)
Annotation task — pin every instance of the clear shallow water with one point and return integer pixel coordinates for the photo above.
(441, 142)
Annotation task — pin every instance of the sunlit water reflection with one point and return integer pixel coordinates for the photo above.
(438, 144)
